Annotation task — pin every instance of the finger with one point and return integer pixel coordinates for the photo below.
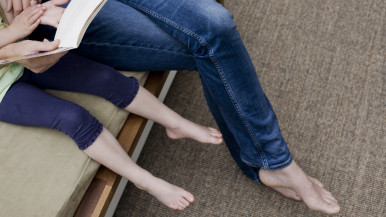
(30, 12)
(51, 45)
(35, 16)
(41, 64)
(44, 45)
(35, 25)
(59, 2)
(17, 7)
(26, 4)
(33, 2)
(9, 5)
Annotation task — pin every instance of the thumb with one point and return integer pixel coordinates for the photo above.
(59, 2)
(46, 45)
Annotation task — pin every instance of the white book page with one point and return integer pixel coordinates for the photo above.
(77, 16)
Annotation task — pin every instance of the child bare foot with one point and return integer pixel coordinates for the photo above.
(172, 196)
(188, 129)
(293, 183)
(177, 127)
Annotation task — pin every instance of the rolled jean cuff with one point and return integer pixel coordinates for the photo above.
(281, 165)
(277, 167)
(257, 179)
(132, 91)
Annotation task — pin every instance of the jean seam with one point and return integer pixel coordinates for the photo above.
(219, 70)
(125, 45)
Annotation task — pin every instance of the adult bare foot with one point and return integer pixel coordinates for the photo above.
(292, 194)
(188, 129)
(292, 182)
(170, 195)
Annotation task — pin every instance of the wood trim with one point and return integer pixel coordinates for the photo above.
(98, 196)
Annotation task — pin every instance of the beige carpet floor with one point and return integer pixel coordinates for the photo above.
(322, 64)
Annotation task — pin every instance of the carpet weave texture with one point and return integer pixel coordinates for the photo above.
(322, 65)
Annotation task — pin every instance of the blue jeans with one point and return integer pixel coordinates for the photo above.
(195, 35)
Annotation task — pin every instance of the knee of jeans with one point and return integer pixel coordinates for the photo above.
(219, 21)
(215, 28)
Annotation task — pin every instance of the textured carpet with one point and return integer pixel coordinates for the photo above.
(322, 65)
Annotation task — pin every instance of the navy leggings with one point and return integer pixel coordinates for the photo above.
(27, 104)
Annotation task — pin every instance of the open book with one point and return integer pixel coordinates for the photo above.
(72, 26)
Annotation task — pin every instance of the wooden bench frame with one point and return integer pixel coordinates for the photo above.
(100, 193)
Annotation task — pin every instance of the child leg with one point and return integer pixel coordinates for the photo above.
(27, 105)
(107, 151)
(76, 73)
(146, 105)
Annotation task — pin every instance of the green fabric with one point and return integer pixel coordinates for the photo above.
(8, 74)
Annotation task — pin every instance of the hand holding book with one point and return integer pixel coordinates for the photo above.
(41, 64)
(72, 26)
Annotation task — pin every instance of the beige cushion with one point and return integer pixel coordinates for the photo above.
(42, 171)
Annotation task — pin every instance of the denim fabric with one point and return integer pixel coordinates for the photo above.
(27, 104)
(197, 35)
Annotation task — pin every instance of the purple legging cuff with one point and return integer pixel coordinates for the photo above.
(126, 99)
(91, 136)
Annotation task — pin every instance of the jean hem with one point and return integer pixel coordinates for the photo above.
(257, 180)
(281, 165)
(276, 167)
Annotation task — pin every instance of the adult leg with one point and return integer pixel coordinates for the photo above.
(122, 42)
(123, 37)
(224, 65)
